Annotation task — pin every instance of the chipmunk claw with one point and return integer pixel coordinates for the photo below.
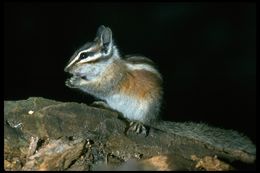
(137, 128)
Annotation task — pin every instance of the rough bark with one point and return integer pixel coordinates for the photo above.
(43, 134)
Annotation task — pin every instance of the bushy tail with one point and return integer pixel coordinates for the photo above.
(225, 140)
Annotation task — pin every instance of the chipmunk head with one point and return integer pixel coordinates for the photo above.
(93, 57)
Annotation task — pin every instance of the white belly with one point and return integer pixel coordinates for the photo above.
(130, 107)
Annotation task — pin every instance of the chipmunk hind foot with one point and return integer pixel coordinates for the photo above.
(137, 128)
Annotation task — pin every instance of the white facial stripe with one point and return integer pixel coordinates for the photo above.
(89, 49)
(83, 51)
(75, 59)
(95, 56)
(91, 58)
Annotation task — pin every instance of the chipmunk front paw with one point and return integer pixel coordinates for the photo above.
(73, 82)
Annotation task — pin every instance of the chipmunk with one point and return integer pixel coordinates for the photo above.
(133, 87)
(130, 85)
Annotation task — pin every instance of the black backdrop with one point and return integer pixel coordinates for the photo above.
(206, 53)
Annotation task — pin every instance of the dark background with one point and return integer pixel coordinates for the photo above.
(206, 53)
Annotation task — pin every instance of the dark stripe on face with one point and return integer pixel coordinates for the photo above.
(85, 46)
(99, 59)
(102, 59)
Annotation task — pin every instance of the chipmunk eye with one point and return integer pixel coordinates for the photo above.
(85, 55)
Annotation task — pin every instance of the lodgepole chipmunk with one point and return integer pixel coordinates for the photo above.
(133, 87)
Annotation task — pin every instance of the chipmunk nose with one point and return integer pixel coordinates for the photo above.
(67, 68)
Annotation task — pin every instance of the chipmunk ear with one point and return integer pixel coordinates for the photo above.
(104, 34)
